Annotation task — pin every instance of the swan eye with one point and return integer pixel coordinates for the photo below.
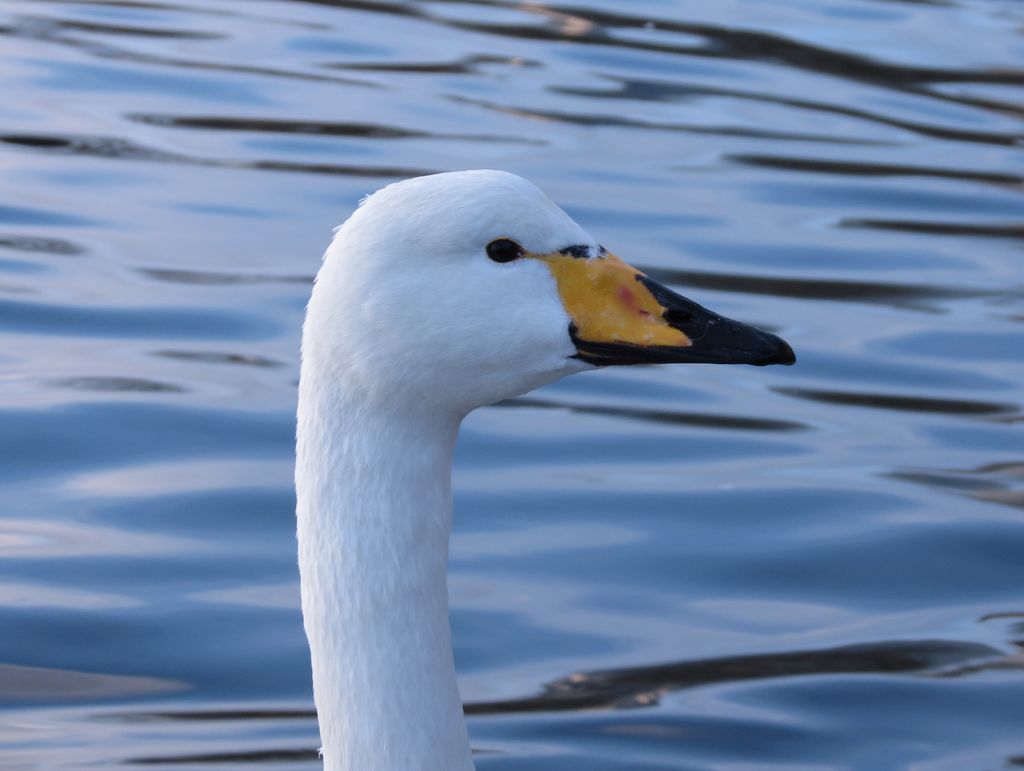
(504, 250)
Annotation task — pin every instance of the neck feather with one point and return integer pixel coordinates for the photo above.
(374, 517)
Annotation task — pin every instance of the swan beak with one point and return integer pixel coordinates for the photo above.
(620, 316)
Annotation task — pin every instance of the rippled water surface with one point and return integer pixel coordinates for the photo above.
(819, 567)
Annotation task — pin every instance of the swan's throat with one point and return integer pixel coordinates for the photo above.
(374, 517)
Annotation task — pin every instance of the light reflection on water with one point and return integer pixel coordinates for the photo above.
(679, 568)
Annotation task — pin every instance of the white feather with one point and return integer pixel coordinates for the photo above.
(409, 328)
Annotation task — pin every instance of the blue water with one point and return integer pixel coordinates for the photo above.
(739, 569)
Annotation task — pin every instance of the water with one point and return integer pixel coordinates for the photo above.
(817, 567)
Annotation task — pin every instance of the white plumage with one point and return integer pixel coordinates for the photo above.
(410, 327)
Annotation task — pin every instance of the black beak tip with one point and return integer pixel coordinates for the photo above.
(780, 353)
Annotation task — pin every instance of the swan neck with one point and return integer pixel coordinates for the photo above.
(374, 518)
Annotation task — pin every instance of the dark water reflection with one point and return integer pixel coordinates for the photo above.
(690, 568)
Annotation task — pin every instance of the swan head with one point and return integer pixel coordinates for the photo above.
(455, 290)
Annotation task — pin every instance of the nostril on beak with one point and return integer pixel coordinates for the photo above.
(677, 317)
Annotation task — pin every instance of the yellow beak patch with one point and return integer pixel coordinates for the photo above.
(606, 302)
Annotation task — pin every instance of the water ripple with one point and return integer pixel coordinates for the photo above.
(645, 686)
(654, 91)
(901, 403)
(665, 417)
(910, 296)
(317, 128)
(816, 566)
(869, 169)
(934, 228)
(620, 121)
(124, 149)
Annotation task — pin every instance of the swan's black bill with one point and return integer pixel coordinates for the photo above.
(713, 339)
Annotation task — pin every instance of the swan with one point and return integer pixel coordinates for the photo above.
(441, 294)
